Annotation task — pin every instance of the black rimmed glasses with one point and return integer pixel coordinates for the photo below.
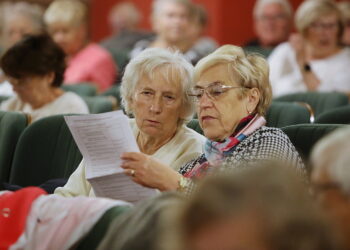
(214, 91)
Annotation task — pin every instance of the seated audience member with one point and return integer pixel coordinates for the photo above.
(261, 207)
(331, 179)
(30, 219)
(154, 90)
(314, 59)
(67, 22)
(201, 45)
(345, 10)
(272, 25)
(124, 20)
(171, 22)
(231, 93)
(35, 66)
(19, 19)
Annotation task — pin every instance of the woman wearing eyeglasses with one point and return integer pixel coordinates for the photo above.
(314, 59)
(153, 91)
(231, 93)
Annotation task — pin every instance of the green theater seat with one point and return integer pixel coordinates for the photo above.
(45, 150)
(99, 104)
(320, 102)
(340, 115)
(82, 89)
(12, 125)
(281, 114)
(304, 136)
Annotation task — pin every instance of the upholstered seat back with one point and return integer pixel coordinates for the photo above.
(11, 126)
(46, 150)
(281, 114)
(320, 102)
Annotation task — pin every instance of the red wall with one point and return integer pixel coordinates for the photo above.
(230, 20)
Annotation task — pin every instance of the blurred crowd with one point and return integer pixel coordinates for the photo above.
(237, 182)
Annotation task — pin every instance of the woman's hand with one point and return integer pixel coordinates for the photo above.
(298, 44)
(149, 172)
(310, 79)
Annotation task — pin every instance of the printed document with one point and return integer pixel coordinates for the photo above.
(102, 138)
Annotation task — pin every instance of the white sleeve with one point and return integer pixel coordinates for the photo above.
(77, 185)
(285, 76)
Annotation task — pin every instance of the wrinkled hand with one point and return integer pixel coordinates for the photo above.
(298, 44)
(149, 172)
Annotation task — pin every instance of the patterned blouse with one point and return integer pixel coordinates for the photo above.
(264, 144)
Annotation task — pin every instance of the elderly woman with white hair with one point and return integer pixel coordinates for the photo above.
(232, 93)
(330, 178)
(313, 59)
(154, 88)
(67, 23)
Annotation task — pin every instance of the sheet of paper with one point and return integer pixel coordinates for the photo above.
(102, 138)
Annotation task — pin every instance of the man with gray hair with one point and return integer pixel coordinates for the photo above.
(272, 25)
(331, 179)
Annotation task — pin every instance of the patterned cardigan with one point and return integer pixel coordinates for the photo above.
(266, 143)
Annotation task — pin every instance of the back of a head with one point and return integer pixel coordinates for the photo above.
(35, 55)
(331, 154)
(66, 11)
(273, 195)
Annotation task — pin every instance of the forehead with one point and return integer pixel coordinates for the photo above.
(161, 79)
(219, 72)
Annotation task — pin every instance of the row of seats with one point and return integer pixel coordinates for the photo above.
(46, 150)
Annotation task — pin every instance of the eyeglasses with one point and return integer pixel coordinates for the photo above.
(213, 91)
(318, 26)
(273, 18)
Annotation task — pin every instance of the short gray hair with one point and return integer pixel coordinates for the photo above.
(172, 65)
(331, 154)
(259, 5)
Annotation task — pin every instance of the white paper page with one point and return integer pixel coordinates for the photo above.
(102, 138)
(105, 186)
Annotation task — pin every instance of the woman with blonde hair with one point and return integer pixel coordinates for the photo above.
(87, 62)
(231, 94)
(314, 59)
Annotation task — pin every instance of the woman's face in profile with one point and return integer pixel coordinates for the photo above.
(69, 37)
(219, 115)
(157, 106)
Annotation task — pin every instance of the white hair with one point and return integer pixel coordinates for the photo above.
(260, 4)
(331, 154)
(32, 13)
(173, 67)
